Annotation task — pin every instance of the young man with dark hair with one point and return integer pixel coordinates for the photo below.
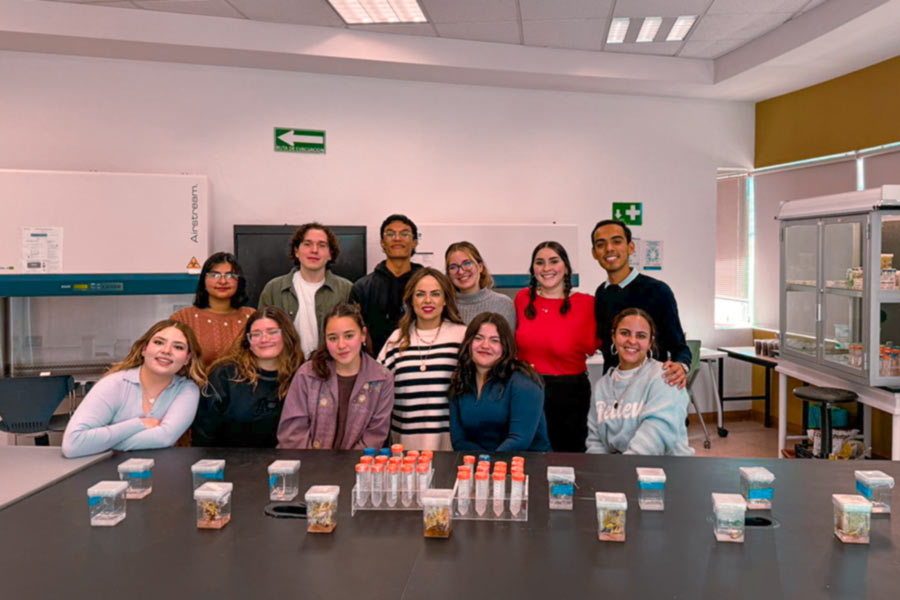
(380, 293)
(611, 246)
(310, 290)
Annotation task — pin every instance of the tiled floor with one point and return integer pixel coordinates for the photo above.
(745, 439)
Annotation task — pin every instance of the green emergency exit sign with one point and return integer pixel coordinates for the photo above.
(299, 140)
(630, 213)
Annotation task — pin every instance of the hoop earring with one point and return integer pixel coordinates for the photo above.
(613, 350)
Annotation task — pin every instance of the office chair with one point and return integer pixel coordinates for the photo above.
(27, 405)
(694, 346)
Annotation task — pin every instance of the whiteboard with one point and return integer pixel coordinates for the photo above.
(506, 248)
(108, 222)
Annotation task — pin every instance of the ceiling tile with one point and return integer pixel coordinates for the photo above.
(399, 28)
(710, 49)
(470, 11)
(208, 8)
(577, 34)
(745, 27)
(659, 48)
(660, 8)
(536, 10)
(732, 7)
(298, 12)
(504, 32)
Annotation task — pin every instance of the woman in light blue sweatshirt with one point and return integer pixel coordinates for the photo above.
(634, 410)
(146, 401)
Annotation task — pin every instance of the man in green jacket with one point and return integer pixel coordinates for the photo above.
(310, 289)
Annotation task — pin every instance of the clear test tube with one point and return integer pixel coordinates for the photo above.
(427, 454)
(421, 480)
(408, 488)
(413, 454)
(517, 460)
(499, 491)
(469, 461)
(393, 484)
(394, 460)
(427, 462)
(377, 484)
(363, 483)
(501, 465)
(463, 489)
(397, 450)
(382, 459)
(367, 459)
(481, 492)
(516, 491)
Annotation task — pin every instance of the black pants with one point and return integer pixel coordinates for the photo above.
(567, 399)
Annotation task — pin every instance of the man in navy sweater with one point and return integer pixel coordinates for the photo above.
(626, 288)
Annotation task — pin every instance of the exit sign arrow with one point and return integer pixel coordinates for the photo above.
(299, 140)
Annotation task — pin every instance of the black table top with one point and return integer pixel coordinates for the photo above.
(51, 551)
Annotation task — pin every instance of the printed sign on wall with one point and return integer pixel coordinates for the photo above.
(631, 213)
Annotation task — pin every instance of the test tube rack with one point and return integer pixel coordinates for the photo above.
(363, 502)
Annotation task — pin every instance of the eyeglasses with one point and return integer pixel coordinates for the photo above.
(403, 235)
(255, 336)
(216, 276)
(466, 264)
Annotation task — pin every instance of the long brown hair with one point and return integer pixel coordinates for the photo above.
(245, 362)
(485, 280)
(449, 312)
(193, 368)
(321, 359)
(463, 378)
(530, 312)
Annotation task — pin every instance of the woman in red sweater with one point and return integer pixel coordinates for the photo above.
(555, 334)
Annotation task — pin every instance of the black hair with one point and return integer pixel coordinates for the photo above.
(606, 222)
(530, 312)
(403, 219)
(201, 296)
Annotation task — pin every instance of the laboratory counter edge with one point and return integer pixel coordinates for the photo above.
(158, 552)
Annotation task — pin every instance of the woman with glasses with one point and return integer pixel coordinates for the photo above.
(473, 283)
(218, 314)
(341, 398)
(241, 404)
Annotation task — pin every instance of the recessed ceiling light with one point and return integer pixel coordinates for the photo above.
(355, 12)
(681, 28)
(649, 29)
(617, 30)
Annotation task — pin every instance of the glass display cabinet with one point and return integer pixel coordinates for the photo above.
(840, 293)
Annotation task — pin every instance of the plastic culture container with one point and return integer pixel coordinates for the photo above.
(562, 487)
(852, 518)
(516, 491)
(729, 511)
(463, 489)
(321, 508)
(611, 511)
(139, 475)
(363, 484)
(756, 487)
(436, 512)
(651, 488)
(207, 470)
(213, 504)
(106, 500)
(423, 478)
(481, 491)
(284, 480)
(499, 491)
(392, 485)
(876, 487)
(377, 485)
(408, 485)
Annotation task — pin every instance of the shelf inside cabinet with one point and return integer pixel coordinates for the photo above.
(889, 296)
(842, 291)
(799, 287)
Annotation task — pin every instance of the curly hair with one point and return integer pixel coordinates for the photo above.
(530, 312)
(297, 238)
(193, 368)
(408, 320)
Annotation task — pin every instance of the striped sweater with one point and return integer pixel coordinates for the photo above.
(421, 416)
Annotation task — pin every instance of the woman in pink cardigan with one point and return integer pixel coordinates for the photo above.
(341, 398)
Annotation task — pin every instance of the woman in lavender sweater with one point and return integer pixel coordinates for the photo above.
(341, 398)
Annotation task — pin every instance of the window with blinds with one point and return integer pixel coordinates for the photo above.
(733, 269)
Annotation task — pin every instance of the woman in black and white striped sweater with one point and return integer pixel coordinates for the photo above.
(422, 353)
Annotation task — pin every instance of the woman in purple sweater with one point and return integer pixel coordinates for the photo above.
(341, 398)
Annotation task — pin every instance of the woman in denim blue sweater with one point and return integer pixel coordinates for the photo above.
(496, 400)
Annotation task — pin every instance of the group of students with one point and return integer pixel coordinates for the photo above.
(434, 360)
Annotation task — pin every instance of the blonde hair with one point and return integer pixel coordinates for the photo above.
(485, 280)
(193, 368)
(245, 362)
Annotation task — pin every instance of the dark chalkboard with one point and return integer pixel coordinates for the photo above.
(262, 251)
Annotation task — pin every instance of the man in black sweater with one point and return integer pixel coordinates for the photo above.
(626, 288)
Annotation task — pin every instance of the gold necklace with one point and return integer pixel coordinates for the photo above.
(423, 342)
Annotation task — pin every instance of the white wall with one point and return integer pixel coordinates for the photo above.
(438, 152)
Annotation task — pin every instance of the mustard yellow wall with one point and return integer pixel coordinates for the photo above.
(857, 110)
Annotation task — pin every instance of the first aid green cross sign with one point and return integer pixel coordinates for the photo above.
(630, 213)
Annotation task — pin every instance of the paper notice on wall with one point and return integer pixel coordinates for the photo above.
(653, 255)
(634, 261)
(42, 250)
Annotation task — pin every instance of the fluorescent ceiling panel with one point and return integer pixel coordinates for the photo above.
(617, 30)
(356, 12)
(648, 29)
(681, 28)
